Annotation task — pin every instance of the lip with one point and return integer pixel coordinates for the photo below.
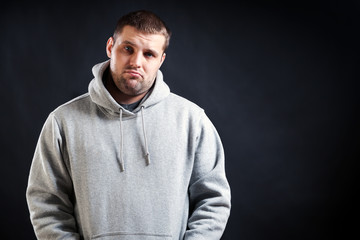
(133, 73)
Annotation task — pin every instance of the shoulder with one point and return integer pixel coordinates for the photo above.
(75, 105)
(184, 104)
(182, 109)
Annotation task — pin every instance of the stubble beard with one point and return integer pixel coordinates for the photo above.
(126, 86)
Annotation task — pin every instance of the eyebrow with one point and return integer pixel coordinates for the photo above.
(128, 42)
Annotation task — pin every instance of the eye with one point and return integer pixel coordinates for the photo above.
(128, 49)
(148, 54)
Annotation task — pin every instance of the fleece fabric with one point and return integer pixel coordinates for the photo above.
(102, 172)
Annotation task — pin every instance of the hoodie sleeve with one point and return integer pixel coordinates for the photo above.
(209, 191)
(49, 192)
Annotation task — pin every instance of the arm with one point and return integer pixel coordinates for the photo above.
(49, 192)
(209, 191)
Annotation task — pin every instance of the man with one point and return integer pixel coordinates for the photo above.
(129, 160)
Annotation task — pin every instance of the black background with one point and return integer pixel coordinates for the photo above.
(279, 80)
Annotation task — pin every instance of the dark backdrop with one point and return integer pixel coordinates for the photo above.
(279, 81)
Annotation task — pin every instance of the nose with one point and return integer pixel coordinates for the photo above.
(135, 60)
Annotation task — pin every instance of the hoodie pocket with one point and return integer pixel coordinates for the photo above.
(131, 236)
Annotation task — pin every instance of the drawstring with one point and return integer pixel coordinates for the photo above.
(147, 154)
(121, 159)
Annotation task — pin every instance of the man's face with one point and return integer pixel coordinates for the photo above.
(135, 58)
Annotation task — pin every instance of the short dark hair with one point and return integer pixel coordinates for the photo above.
(144, 21)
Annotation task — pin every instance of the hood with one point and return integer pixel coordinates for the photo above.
(103, 98)
(100, 96)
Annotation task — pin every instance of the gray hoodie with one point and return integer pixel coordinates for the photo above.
(102, 172)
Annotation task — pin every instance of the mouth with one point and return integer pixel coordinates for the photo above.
(133, 73)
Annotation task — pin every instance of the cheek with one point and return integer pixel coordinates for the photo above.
(118, 61)
(152, 67)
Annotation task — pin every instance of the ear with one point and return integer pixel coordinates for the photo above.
(109, 46)
(162, 59)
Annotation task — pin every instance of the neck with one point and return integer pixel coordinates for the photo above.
(119, 96)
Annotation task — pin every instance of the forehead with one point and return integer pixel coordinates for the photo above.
(141, 39)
